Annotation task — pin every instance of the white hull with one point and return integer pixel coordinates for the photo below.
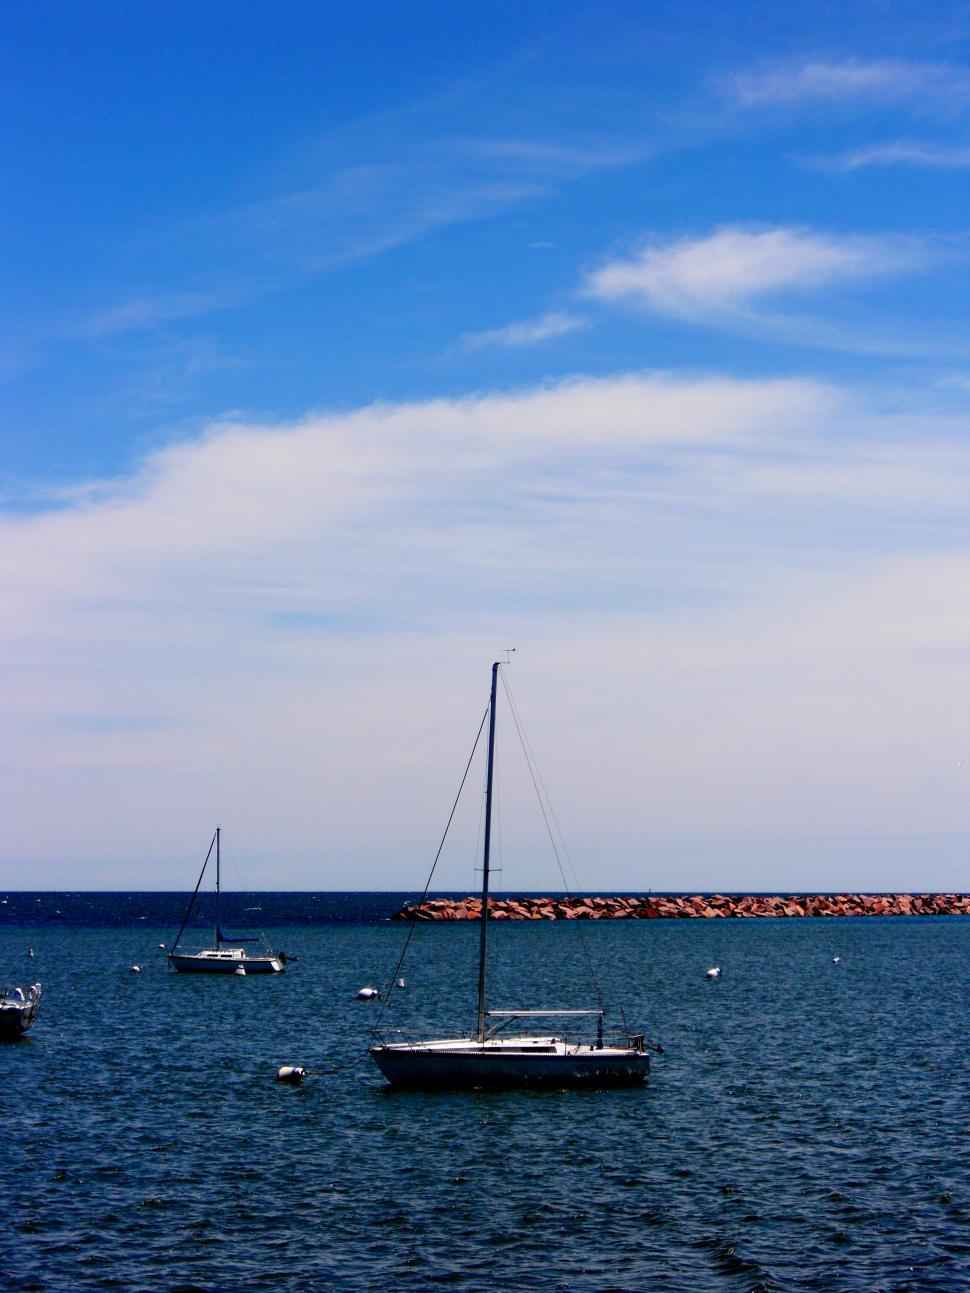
(224, 961)
(519, 1062)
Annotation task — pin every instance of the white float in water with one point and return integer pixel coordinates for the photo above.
(836, 960)
(292, 1073)
(136, 969)
(240, 969)
(30, 952)
(368, 994)
(400, 984)
(161, 947)
(714, 972)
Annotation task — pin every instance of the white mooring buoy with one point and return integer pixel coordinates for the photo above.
(292, 1073)
(30, 952)
(368, 994)
(240, 969)
(136, 969)
(836, 960)
(161, 947)
(714, 972)
(400, 984)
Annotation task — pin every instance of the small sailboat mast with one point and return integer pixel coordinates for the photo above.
(218, 886)
(483, 937)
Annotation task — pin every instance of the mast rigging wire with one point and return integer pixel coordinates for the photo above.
(241, 888)
(536, 780)
(407, 942)
(195, 892)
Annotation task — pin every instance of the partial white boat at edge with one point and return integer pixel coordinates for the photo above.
(490, 1060)
(18, 1010)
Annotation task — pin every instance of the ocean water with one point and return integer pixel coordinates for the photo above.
(806, 1129)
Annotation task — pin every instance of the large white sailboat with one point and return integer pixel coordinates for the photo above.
(491, 1058)
(229, 955)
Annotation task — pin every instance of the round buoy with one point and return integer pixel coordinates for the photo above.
(400, 984)
(136, 969)
(714, 972)
(161, 947)
(240, 969)
(292, 1073)
(836, 960)
(368, 994)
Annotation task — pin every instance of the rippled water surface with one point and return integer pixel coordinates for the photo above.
(807, 1127)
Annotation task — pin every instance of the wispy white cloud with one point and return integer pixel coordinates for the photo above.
(231, 627)
(563, 159)
(529, 332)
(903, 153)
(356, 215)
(328, 213)
(167, 373)
(737, 266)
(341, 214)
(145, 313)
(939, 85)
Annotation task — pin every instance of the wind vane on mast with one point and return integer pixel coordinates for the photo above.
(509, 653)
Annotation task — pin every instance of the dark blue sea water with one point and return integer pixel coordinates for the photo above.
(807, 1127)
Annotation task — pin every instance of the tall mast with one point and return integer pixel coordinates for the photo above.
(218, 885)
(483, 938)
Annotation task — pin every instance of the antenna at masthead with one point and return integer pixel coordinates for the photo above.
(509, 653)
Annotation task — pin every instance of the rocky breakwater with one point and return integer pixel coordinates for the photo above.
(681, 906)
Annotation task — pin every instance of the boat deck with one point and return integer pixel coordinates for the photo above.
(509, 1061)
(224, 960)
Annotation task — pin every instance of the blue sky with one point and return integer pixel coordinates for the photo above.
(344, 345)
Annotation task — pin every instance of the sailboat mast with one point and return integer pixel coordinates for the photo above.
(218, 885)
(483, 937)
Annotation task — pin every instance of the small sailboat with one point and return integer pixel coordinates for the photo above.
(489, 1058)
(18, 1010)
(229, 954)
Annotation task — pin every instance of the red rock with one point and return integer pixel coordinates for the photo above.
(718, 906)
